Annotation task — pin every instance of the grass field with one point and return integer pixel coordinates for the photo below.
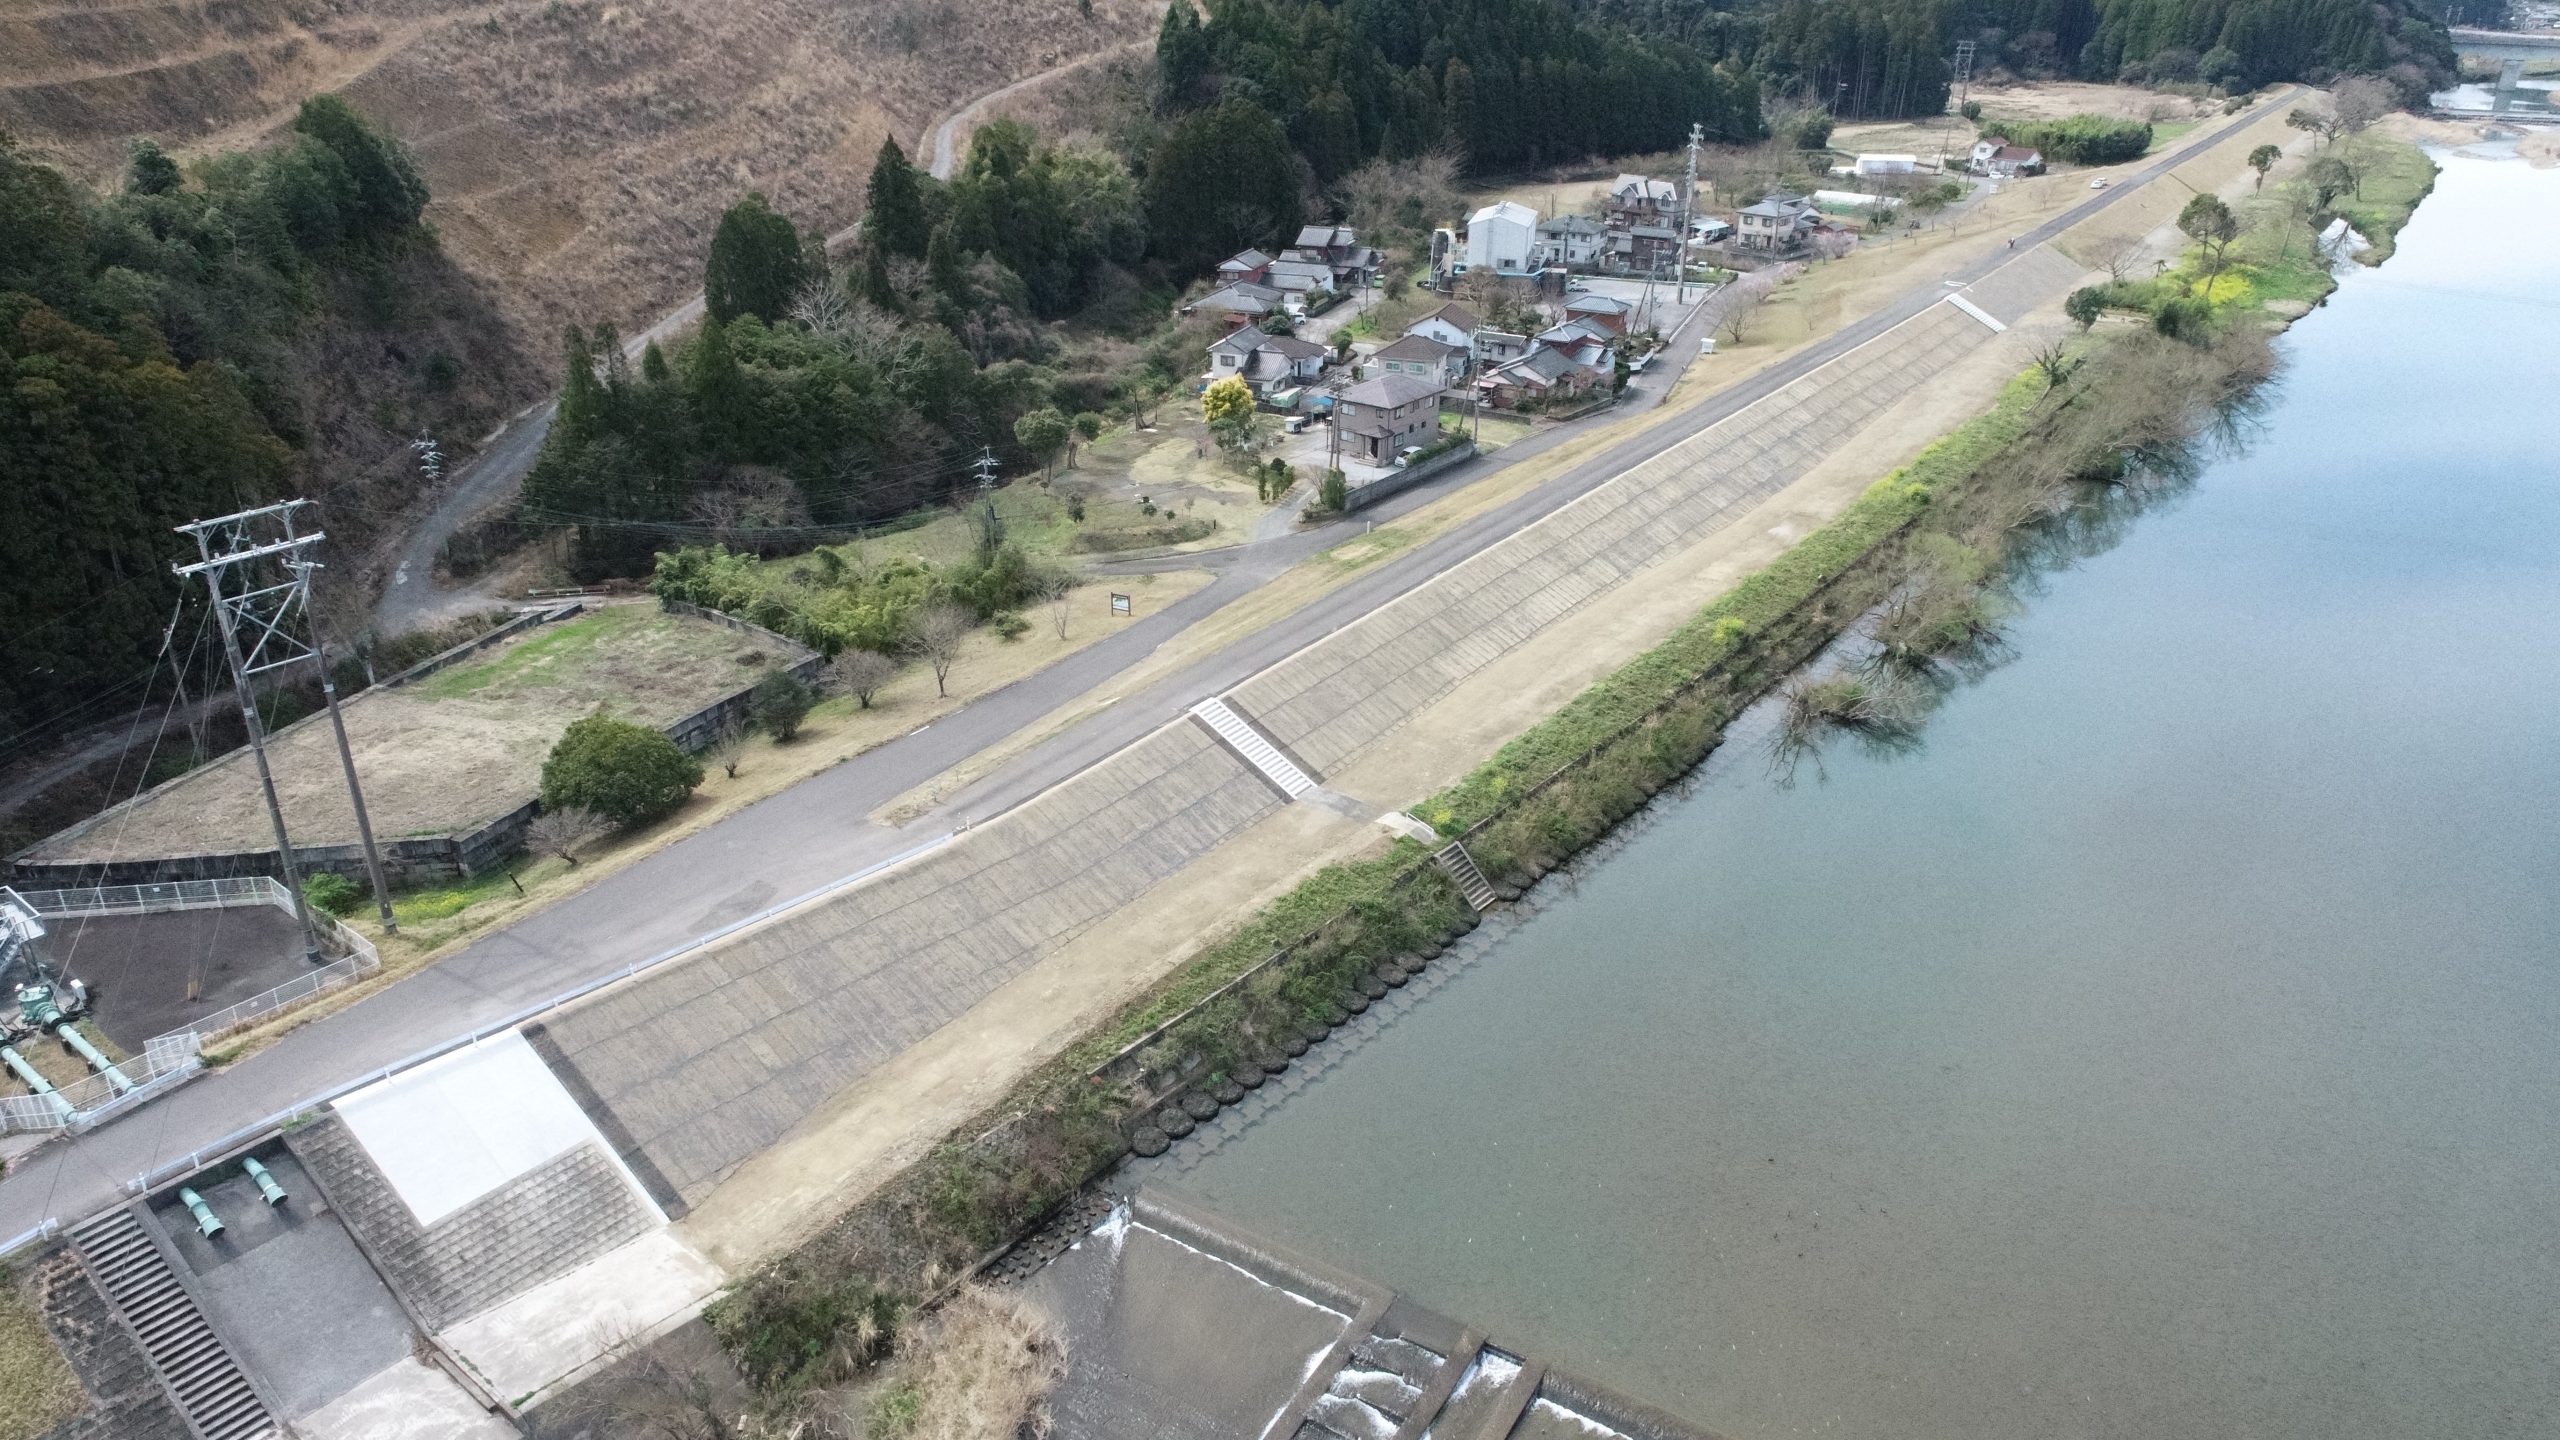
(37, 1389)
(459, 747)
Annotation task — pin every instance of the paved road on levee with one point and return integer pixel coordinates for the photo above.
(815, 832)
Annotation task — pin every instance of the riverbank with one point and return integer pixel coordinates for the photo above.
(1640, 727)
(2106, 1055)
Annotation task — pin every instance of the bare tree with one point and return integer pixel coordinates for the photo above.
(1058, 589)
(565, 832)
(1743, 302)
(861, 673)
(2114, 254)
(935, 635)
(2359, 101)
(728, 748)
(822, 305)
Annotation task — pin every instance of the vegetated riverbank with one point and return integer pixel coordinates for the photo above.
(2120, 405)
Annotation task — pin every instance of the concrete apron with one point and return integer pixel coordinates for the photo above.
(1180, 1325)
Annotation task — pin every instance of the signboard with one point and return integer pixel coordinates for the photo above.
(1120, 604)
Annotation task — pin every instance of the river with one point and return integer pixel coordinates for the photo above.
(2168, 1045)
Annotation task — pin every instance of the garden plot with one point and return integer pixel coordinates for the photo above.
(442, 754)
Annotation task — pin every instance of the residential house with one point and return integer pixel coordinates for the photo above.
(1245, 267)
(1434, 360)
(1503, 238)
(2001, 159)
(1337, 248)
(1639, 200)
(1586, 345)
(1451, 324)
(1266, 362)
(1492, 347)
(1645, 249)
(1297, 277)
(1572, 241)
(1604, 312)
(1780, 222)
(1377, 418)
(1243, 303)
(1539, 376)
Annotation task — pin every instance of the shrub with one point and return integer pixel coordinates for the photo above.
(2080, 140)
(1335, 492)
(332, 892)
(627, 773)
(780, 702)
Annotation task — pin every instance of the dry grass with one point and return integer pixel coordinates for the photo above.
(980, 1370)
(580, 151)
(453, 750)
(37, 1388)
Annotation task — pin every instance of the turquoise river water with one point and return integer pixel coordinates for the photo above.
(2169, 1045)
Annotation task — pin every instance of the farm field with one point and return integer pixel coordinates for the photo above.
(461, 746)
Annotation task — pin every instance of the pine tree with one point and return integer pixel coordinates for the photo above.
(1222, 178)
(582, 402)
(653, 365)
(754, 264)
(1183, 59)
(942, 260)
(894, 219)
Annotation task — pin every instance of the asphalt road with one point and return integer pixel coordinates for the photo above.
(815, 833)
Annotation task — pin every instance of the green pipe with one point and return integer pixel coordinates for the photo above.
(36, 1082)
(207, 1223)
(267, 1185)
(72, 1037)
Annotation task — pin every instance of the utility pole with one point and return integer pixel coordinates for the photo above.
(1689, 207)
(986, 464)
(270, 617)
(1332, 430)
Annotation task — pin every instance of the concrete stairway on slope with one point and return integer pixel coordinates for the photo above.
(1253, 747)
(200, 1373)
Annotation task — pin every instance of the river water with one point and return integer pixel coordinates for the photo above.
(2169, 1046)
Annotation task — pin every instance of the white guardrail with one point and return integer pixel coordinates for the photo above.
(246, 1134)
(167, 1059)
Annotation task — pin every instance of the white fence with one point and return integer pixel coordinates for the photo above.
(168, 1059)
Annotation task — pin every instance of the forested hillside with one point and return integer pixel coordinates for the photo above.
(198, 340)
(1504, 82)
(1888, 57)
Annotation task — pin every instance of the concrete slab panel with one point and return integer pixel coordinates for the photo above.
(407, 1401)
(558, 1328)
(456, 1128)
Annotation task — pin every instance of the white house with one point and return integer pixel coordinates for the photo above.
(1451, 324)
(1503, 238)
(1573, 241)
(1267, 362)
(1999, 157)
(1780, 222)
(1433, 360)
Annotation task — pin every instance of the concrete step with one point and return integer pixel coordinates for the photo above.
(202, 1376)
(1461, 870)
(1253, 747)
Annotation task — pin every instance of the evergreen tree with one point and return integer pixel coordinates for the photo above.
(1222, 179)
(718, 386)
(581, 412)
(894, 218)
(1182, 59)
(943, 262)
(653, 364)
(151, 171)
(875, 285)
(754, 265)
(384, 195)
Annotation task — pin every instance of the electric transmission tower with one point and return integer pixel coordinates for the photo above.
(257, 567)
(1960, 81)
(1689, 207)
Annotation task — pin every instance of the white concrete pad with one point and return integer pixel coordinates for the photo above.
(456, 1128)
(409, 1401)
(559, 1327)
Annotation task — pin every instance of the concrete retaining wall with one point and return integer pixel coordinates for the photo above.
(420, 859)
(1361, 496)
